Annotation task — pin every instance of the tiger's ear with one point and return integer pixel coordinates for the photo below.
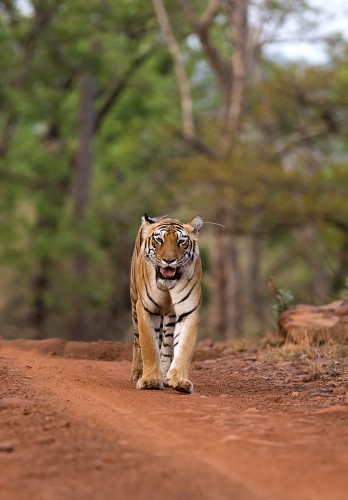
(196, 223)
(147, 219)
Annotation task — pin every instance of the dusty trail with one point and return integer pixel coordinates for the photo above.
(91, 435)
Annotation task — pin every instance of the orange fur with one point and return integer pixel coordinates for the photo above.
(165, 288)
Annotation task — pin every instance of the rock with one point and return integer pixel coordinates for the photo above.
(203, 344)
(251, 410)
(295, 394)
(273, 398)
(315, 322)
(6, 447)
(339, 391)
(334, 409)
(6, 403)
(46, 440)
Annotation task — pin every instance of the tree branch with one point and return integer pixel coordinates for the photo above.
(201, 28)
(238, 15)
(183, 82)
(196, 144)
(118, 87)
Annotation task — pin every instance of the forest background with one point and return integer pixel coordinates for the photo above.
(110, 109)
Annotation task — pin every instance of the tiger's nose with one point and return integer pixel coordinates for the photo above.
(169, 261)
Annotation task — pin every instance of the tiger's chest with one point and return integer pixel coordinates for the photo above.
(160, 296)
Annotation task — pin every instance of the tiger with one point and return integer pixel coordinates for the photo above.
(165, 291)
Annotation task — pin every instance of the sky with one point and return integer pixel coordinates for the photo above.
(334, 18)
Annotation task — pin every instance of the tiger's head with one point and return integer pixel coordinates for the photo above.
(170, 245)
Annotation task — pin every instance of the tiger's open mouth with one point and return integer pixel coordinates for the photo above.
(168, 273)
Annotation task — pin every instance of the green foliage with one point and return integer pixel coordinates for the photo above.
(139, 164)
(283, 301)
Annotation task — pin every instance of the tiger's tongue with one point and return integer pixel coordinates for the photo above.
(167, 272)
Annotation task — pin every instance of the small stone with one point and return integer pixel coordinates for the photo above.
(28, 366)
(223, 395)
(273, 398)
(251, 410)
(339, 391)
(287, 380)
(204, 344)
(6, 447)
(64, 424)
(203, 396)
(295, 394)
(334, 409)
(46, 440)
(6, 403)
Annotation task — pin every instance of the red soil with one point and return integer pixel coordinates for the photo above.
(255, 428)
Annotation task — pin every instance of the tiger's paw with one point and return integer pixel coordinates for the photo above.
(180, 384)
(135, 375)
(150, 383)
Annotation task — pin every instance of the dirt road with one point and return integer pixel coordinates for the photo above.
(252, 430)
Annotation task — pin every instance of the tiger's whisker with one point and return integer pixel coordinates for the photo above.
(215, 224)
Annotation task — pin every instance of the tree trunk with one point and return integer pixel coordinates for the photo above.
(239, 22)
(216, 303)
(225, 311)
(341, 273)
(254, 280)
(232, 289)
(308, 243)
(40, 285)
(80, 198)
(183, 82)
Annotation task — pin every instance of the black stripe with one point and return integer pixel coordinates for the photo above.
(186, 296)
(188, 313)
(170, 335)
(166, 345)
(170, 324)
(188, 281)
(176, 344)
(157, 330)
(166, 355)
(176, 336)
(152, 314)
(147, 293)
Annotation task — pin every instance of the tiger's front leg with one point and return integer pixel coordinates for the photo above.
(167, 342)
(185, 335)
(152, 377)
